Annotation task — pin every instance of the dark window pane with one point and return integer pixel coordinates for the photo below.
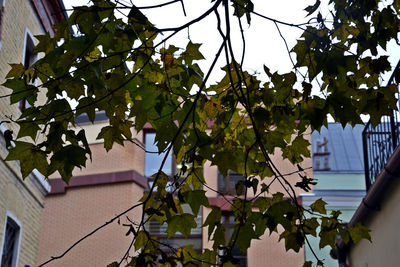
(229, 222)
(242, 259)
(227, 184)
(29, 59)
(10, 243)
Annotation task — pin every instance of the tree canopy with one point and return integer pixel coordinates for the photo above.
(120, 63)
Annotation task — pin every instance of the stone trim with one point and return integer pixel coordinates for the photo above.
(58, 186)
(224, 203)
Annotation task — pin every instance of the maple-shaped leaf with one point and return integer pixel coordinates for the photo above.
(181, 223)
(358, 232)
(319, 206)
(30, 157)
(192, 52)
(196, 199)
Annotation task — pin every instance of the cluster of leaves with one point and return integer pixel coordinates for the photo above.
(122, 66)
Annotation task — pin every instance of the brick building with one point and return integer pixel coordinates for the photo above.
(21, 202)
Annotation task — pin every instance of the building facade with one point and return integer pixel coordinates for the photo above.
(116, 180)
(21, 201)
(109, 184)
(338, 168)
(379, 211)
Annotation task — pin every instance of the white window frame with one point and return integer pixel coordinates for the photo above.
(10, 215)
(28, 37)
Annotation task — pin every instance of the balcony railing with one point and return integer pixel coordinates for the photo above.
(379, 142)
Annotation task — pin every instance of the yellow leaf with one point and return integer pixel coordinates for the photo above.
(212, 107)
(16, 71)
(168, 60)
(128, 99)
(94, 55)
(29, 74)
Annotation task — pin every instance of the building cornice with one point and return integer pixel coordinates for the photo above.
(58, 186)
(49, 12)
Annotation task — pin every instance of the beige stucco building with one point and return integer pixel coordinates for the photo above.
(115, 181)
(21, 201)
(109, 185)
(379, 212)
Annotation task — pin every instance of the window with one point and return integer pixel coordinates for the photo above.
(322, 153)
(229, 222)
(152, 160)
(226, 184)
(28, 59)
(178, 240)
(10, 247)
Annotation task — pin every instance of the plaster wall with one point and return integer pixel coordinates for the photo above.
(384, 225)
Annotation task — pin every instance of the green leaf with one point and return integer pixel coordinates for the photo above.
(110, 135)
(181, 223)
(246, 234)
(30, 158)
(310, 226)
(28, 129)
(293, 240)
(86, 105)
(262, 203)
(46, 44)
(17, 70)
(319, 206)
(213, 219)
(313, 8)
(21, 91)
(229, 264)
(196, 199)
(239, 187)
(358, 232)
(136, 15)
(254, 185)
(208, 257)
(66, 159)
(120, 66)
(141, 240)
(219, 236)
(192, 52)
(82, 137)
(327, 238)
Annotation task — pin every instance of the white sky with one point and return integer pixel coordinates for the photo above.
(263, 43)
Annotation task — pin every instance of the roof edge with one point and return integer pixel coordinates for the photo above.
(372, 200)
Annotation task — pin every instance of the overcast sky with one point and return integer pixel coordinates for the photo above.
(263, 42)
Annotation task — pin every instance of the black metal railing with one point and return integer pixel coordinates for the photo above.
(380, 141)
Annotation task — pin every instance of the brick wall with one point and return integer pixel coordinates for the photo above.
(23, 199)
(68, 217)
